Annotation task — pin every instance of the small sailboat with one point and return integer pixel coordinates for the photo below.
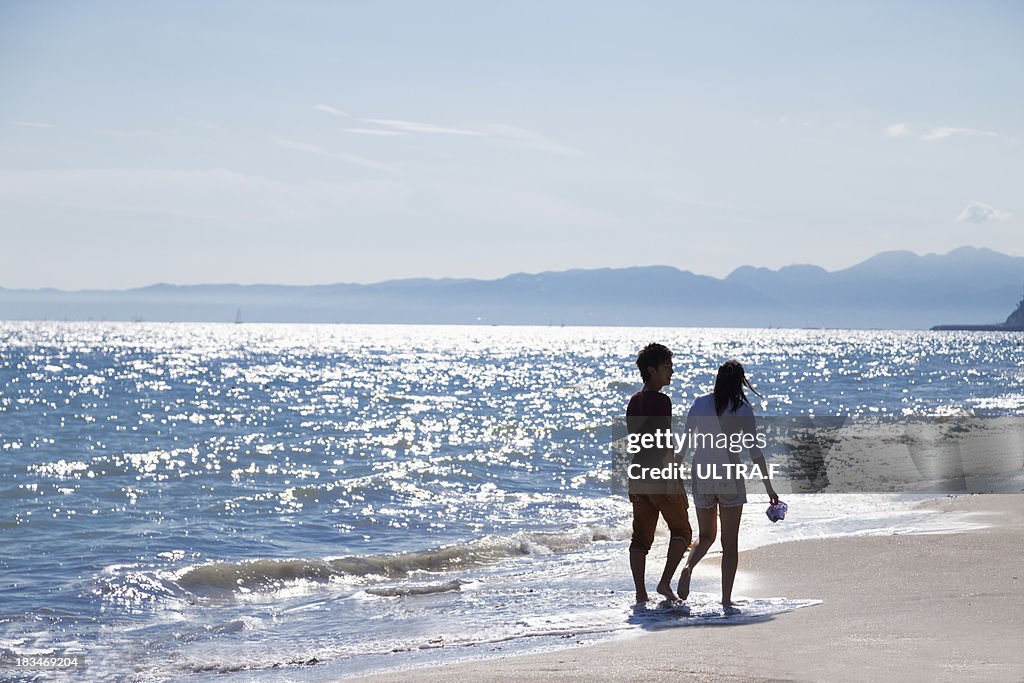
(238, 316)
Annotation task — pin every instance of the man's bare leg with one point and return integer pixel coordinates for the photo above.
(676, 549)
(707, 523)
(638, 565)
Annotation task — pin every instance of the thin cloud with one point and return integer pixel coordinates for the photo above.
(897, 130)
(496, 131)
(320, 151)
(976, 212)
(528, 138)
(328, 109)
(947, 132)
(31, 124)
(418, 127)
(373, 131)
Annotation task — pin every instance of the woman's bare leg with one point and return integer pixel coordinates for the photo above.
(708, 524)
(730, 549)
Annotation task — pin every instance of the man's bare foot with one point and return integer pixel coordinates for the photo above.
(684, 583)
(665, 589)
(729, 608)
(642, 598)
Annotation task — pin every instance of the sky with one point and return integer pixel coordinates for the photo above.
(323, 142)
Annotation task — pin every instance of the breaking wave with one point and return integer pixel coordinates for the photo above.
(269, 574)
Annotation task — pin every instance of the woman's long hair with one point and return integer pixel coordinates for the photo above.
(729, 387)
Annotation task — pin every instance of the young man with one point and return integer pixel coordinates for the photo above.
(650, 411)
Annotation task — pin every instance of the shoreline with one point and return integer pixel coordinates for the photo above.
(946, 606)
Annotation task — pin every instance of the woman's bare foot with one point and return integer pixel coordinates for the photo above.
(684, 583)
(730, 608)
(664, 588)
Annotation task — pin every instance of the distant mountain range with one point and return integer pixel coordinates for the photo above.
(895, 289)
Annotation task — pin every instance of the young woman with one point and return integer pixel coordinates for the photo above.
(722, 417)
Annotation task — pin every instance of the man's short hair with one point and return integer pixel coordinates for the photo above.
(651, 356)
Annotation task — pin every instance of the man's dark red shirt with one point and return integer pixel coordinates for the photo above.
(649, 412)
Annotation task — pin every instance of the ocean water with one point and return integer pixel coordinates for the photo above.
(307, 502)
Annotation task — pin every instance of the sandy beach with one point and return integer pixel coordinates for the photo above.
(938, 607)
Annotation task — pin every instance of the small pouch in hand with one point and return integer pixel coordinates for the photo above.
(777, 511)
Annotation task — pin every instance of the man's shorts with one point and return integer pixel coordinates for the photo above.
(647, 507)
